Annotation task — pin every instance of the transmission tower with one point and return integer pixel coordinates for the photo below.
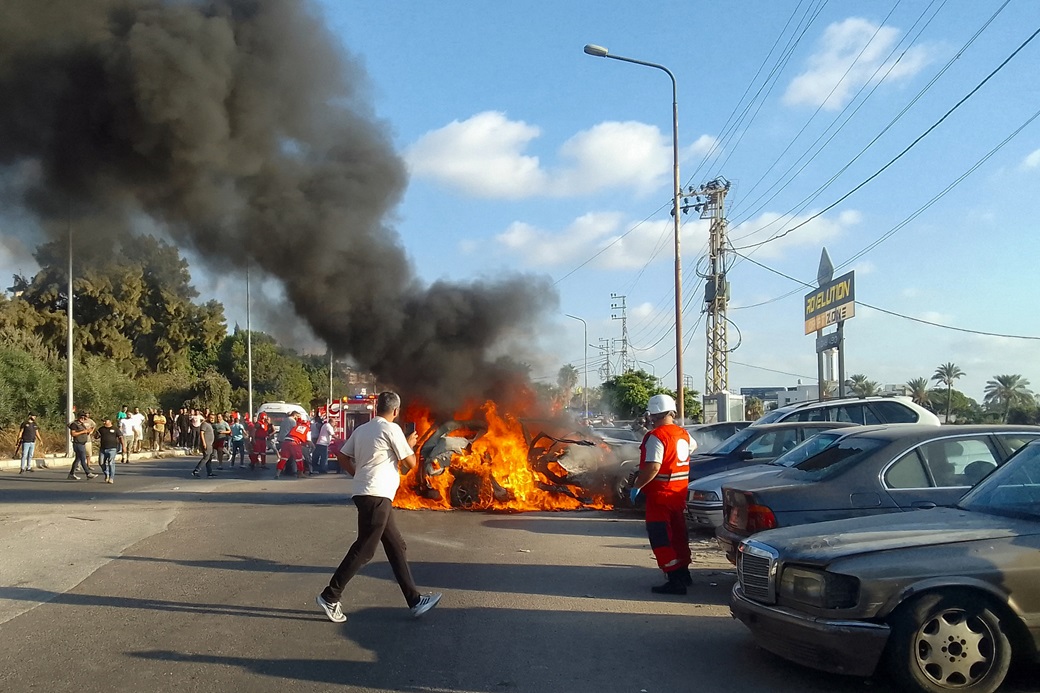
(604, 347)
(710, 202)
(617, 303)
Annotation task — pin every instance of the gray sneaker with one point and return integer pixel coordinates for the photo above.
(333, 611)
(425, 603)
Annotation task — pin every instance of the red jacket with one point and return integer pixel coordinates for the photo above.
(674, 476)
(300, 433)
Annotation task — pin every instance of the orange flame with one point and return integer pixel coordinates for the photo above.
(493, 472)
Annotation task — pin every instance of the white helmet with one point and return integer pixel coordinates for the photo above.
(661, 404)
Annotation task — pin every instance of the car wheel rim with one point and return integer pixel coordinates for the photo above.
(954, 649)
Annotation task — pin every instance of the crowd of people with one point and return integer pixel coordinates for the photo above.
(297, 445)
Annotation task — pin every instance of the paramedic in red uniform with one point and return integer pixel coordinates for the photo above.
(261, 431)
(292, 446)
(664, 471)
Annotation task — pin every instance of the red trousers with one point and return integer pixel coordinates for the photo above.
(290, 452)
(666, 528)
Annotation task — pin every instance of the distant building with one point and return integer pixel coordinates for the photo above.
(768, 395)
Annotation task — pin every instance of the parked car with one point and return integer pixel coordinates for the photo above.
(870, 470)
(704, 503)
(755, 445)
(711, 435)
(945, 598)
(625, 435)
(865, 411)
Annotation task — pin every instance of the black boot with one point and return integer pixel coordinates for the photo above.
(673, 586)
(685, 577)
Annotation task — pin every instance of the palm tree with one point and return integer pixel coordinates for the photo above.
(919, 391)
(861, 386)
(1004, 391)
(946, 374)
(567, 379)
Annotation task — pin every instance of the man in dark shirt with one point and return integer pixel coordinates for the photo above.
(80, 431)
(111, 440)
(206, 443)
(28, 436)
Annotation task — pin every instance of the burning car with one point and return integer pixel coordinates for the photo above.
(493, 461)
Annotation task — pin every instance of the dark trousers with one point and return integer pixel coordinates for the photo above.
(207, 459)
(79, 450)
(375, 526)
(238, 447)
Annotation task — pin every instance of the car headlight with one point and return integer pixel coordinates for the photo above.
(818, 588)
(704, 496)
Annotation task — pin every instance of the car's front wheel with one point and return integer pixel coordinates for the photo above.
(948, 641)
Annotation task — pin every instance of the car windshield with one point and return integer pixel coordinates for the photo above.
(735, 441)
(839, 456)
(806, 449)
(771, 417)
(619, 434)
(1013, 490)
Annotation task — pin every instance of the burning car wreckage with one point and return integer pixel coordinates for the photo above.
(494, 462)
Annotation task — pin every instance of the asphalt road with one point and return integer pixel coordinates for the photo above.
(163, 582)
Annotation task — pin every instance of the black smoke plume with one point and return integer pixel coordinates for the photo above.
(242, 129)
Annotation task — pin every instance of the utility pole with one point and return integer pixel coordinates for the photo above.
(604, 347)
(710, 202)
(617, 302)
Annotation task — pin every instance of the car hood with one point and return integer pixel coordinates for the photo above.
(824, 542)
(715, 482)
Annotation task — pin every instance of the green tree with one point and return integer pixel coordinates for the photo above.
(1005, 391)
(1027, 412)
(919, 391)
(278, 374)
(627, 395)
(691, 403)
(946, 374)
(29, 384)
(567, 379)
(133, 305)
(861, 386)
(963, 409)
(102, 387)
(754, 408)
(211, 391)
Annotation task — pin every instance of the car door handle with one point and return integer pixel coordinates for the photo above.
(923, 505)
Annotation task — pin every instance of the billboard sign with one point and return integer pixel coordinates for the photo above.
(832, 303)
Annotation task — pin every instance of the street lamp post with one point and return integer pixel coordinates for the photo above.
(601, 52)
(585, 369)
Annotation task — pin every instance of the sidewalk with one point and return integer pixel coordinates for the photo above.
(58, 459)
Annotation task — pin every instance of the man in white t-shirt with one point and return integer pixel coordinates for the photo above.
(138, 420)
(373, 454)
(126, 427)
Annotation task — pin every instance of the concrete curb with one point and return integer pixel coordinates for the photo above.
(59, 460)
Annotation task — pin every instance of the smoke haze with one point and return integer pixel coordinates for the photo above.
(241, 128)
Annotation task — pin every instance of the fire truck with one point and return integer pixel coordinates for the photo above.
(347, 413)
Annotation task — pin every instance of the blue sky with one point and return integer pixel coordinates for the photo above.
(526, 154)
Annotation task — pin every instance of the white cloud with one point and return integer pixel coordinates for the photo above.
(864, 268)
(592, 233)
(815, 233)
(851, 54)
(483, 156)
(1032, 160)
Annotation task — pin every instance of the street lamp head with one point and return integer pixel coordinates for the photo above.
(593, 49)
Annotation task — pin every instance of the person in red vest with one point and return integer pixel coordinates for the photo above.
(664, 472)
(292, 446)
(261, 432)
